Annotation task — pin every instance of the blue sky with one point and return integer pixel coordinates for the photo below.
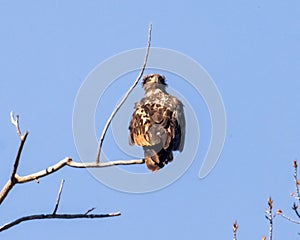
(251, 50)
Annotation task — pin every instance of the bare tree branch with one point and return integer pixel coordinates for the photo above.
(17, 160)
(13, 177)
(270, 217)
(68, 162)
(295, 208)
(58, 196)
(55, 216)
(15, 122)
(297, 196)
(16, 179)
(125, 97)
(62, 163)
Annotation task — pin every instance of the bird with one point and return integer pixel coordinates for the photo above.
(157, 123)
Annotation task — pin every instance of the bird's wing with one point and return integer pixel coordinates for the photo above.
(153, 124)
(179, 120)
(139, 126)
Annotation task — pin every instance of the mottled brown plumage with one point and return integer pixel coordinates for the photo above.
(158, 123)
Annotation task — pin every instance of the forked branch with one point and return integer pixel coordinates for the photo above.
(13, 177)
(54, 215)
(16, 179)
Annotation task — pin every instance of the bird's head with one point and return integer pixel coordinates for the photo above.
(154, 81)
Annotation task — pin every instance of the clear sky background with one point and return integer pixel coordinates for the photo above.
(250, 48)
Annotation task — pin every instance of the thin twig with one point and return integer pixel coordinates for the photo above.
(297, 213)
(58, 196)
(90, 210)
(125, 97)
(15, 122)
(55, 216)
(235, 228)
(295, 208)
(17, 160)
(295, 165)
(269, 216)
(290, 219)
(297, 194)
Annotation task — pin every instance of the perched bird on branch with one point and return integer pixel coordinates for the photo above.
(157, 123)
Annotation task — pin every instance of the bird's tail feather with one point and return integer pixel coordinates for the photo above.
(156, 160)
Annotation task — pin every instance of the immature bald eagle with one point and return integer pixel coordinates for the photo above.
(158, 123)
